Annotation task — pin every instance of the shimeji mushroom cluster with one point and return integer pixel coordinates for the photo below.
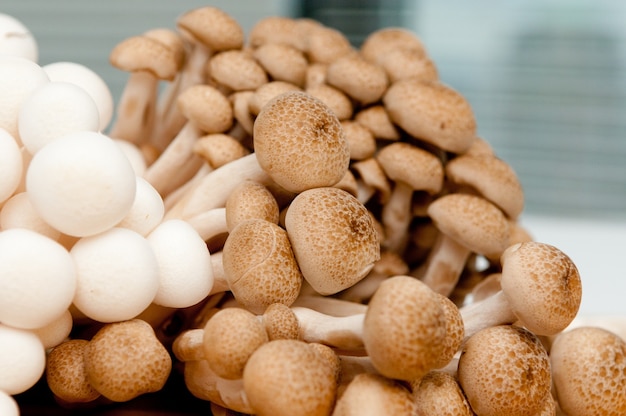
(299, 226)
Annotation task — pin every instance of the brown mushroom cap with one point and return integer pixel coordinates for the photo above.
(65, 372)
(125, 359)
(266, 92)
(416, 167)
(432, 112)
(142, 53)
(250, 200)
(373, 394)
(363, 81)
(299, 142)
(282, 62)
(408, 63)
(207, 107)
(333, 238)
(377, 120)
(273, 29)
(439, 393)
(360, 139)
(333, 98)
(236, 70)
(589, 372)
(382, 41)
(172, 40)
(213, 27)
(325, 45)
(455, 331)
(230, 338)
(219, 149)
(542, 286)
(404, 328)
(280, 322)
(289, 377)
(260, 266)
(504, 370)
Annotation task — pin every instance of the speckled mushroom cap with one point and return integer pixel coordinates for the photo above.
(266, 92)
(472, 221)
(172, 39)
(492, 177)
(125, 359)
(299, 142)
(282, 62)
(455, 330)
(213, 27)
(250, 200)
(273, 29)
(360, 139)
(404, 328)
(384, 40)
(542, 285)
(333, 238)
(218, 149)
(408, 63)
(373, 394)
(504, 370)
(260, 266)
(280, 322)
(438, 392)
(65, 372)
(207, 107)
(376, 119)
(325, 45)
(230, 338)
(236, 70)
(289, 377)
(432, 112)
(142, 53)
(363, 81)
(416, 167)
(589, 372)
(337, 100)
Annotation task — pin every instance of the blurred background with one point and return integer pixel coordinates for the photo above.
(546, 79)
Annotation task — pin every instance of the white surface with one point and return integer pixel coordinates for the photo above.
(598, 248)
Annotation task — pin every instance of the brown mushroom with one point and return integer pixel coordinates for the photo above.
(334, 98)
(66, 375)
(361, 80)
(376, 119)
(282, 62)
(378, 43)
(250, 200)
(439, 393)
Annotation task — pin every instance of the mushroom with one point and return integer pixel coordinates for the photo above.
(325, 44)
(432, 112)
(250, 200)
(235, 70)
(373, 394)
(55, 110)
(117, 275)
(541, 288)
(55, 332)
(439, 393)
(372, 179)
(17, 40)
(11, 165)
(34, 293)
(22, 359)
(361, 80)
(81, 183)
(147, 210)
(337, 100)
(360, 139)
(589, 371)
(467, 224)
(124, 360)
(282, 62)
(8, 405)
(322, 222)
(66, 375)
(266, 92)
(219, 149)
(88, 80)
(280, 322)
(275, 30)
(411, 169)
(504, 369)
(289, 377)
(380, 42)
(376, 119)
(408, 63)
(260, 266)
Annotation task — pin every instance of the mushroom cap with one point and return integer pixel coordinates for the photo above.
(125, 359)
(230, 337)
(147, 210)
(207, 107)
(66, 375)
(472, 221)
(280, 322)
(22, 359)
(185, 271)
(213, 27)
(8, 405)
(542, 286)
(334, 98)
(56, 331)
(299, 142)
(250, 200)
(118, 275)
(438, 392)
(88, 80)
(589, 371)
(404, 329)
(11, 165)
(382, 41)
(360, 139)
(492, 177)
(408, 63)
(325, 44)
(432, 112)
(504, 370)
(373, 394)
(81, 183)
(18, 212)
(273, 29)
(17, 40)
(455, 331)
(420, 169)
(266, 92)
(173, 40)
(37, 279)
(289, 377)
(333, 238)
(260, 266)
(55, 110)
(219, 149)
(236, 70)
(282, 62)
(144, 54)
(363, 81)
(376, 119)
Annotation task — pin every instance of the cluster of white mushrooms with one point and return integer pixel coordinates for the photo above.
(297, 225)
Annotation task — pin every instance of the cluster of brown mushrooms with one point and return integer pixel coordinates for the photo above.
(297, 225)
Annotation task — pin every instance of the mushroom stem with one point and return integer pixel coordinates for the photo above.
(210, 223)
(140, 92)
(495, 310)
(444, 265)
(175, 195)
(343, 333)
(396, 217)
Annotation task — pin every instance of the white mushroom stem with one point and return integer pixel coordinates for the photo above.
(210, 223)
(175, 195)
(495, 310)
(444, 264)
(344, 333)
(396, 217)
(330, 306)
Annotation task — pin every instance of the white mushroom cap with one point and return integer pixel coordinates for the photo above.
(8, 405)
(11, 165)
(90, 81)
(185, 271)
(81, 183)
(22, 359)
(135, 156)
(118, 275)
(37, 279)
(147, 210)
(18, 212)
(17, 40)
(55, 110)
(56, 331)
(19, 77)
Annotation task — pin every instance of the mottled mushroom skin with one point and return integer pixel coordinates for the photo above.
(65, 372)
(299, 142)
(439, 393)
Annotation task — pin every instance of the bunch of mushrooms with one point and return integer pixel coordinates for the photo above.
(296, 225)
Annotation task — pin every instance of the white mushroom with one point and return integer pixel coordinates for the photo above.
(18, 212)
(16, 39)
(8, 405)
(22, 359)
(147, 210)
(11, 165)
